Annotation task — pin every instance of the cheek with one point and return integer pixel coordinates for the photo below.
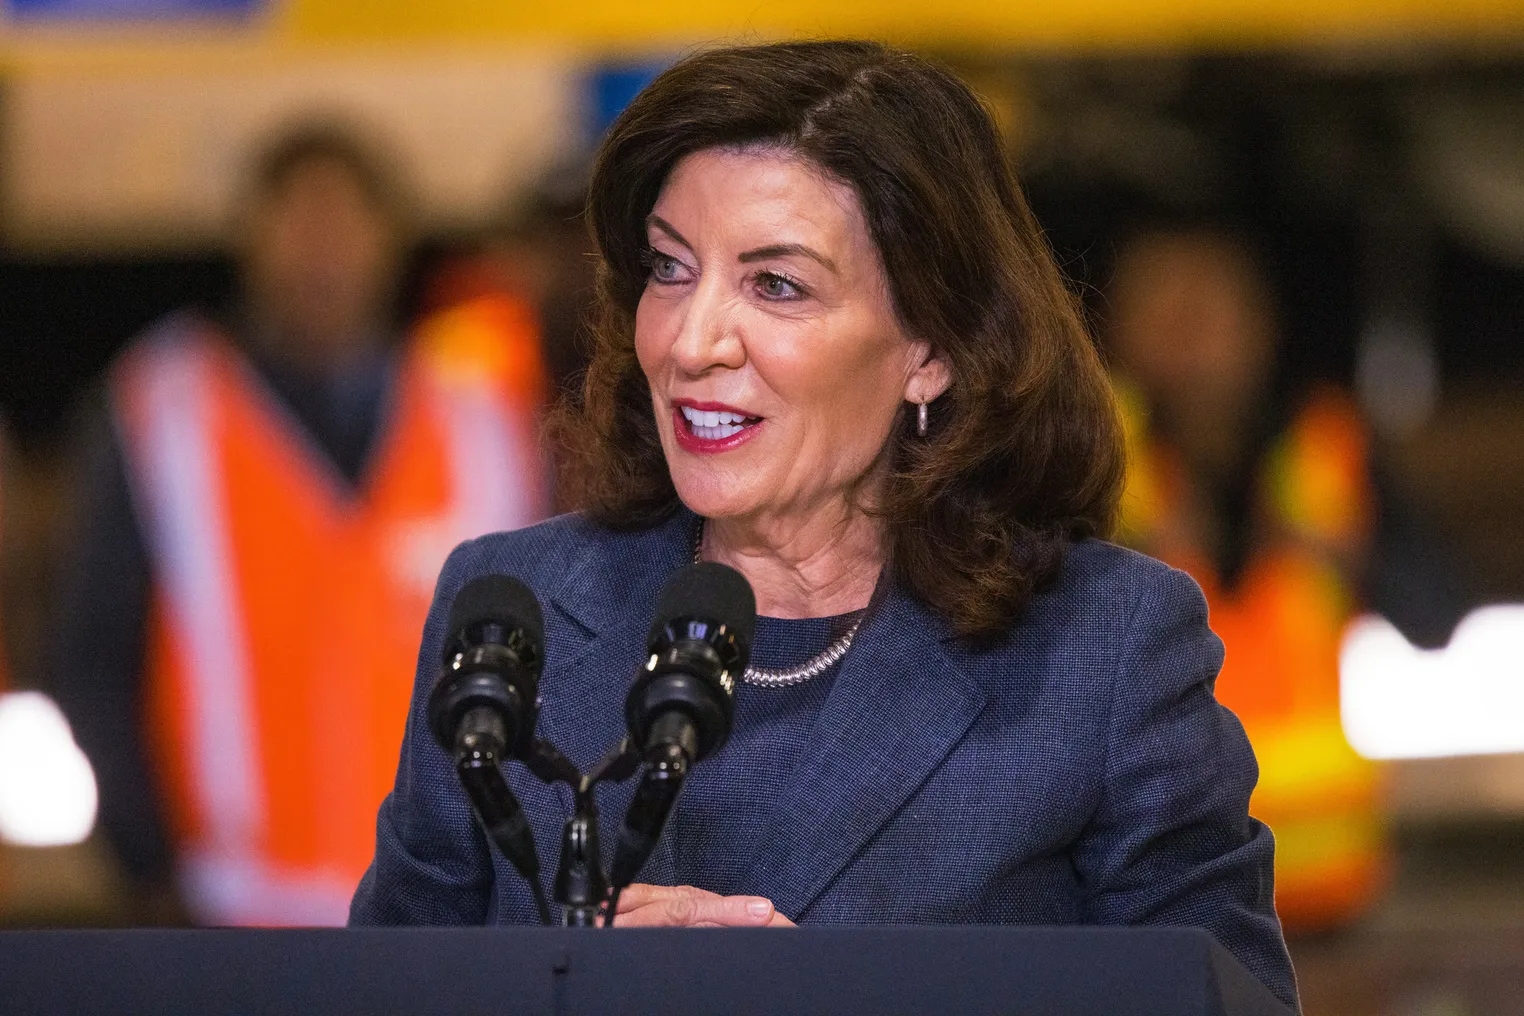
(847, 385)
(652, 336)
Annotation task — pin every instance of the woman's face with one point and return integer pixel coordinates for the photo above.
(767, 331)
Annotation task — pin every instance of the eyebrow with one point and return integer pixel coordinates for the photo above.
(783, 250)
(666, 227)
(777, 250)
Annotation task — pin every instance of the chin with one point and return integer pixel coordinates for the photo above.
(713, 497)
(710, 505)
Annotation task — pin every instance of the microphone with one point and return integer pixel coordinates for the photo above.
(485, 703)
(680, 708)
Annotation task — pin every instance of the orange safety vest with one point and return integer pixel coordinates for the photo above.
(1281, 625)
(288, 606)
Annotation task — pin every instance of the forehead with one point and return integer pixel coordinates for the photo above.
(761, 195)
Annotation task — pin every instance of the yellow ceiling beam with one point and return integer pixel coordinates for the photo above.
(1004, 23)
(290, 27)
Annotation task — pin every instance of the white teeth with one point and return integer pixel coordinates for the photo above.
(713, 425)
(711, 418)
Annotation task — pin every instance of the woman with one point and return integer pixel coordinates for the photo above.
(836, 355)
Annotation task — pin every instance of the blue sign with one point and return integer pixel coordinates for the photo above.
(130, 10)
(614, 86)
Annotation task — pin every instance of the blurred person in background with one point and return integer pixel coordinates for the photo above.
(1272, 515)
(266, 504)
(540, 253)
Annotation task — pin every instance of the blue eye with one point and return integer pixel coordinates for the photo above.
(664, 268)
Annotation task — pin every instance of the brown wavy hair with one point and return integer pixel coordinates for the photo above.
(1024, 454)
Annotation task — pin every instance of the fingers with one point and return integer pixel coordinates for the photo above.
(638, 895)
(648, 906)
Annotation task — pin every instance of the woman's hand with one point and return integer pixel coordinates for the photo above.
(683, 906)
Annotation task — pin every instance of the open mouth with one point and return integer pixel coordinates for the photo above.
(701, 428)
(715, 425)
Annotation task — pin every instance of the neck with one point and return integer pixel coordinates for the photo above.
(1213, 444)
(316, 353)
(817, 566)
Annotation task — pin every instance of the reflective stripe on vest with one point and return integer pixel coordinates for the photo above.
(184, 515)
(230, 887)
(268, 810)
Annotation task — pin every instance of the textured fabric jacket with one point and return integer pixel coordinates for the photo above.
(1079, 771)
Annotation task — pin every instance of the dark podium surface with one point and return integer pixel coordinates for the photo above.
(530, 971)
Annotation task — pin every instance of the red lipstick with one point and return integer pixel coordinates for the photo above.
(690, 440)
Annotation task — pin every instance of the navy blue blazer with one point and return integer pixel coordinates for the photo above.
(1079, 771)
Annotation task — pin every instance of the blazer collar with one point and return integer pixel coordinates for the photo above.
(621, 574)
(898, 707)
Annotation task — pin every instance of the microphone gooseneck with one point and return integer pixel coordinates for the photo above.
(682, 703)
(483, 707)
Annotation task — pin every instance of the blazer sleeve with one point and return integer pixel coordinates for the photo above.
(1172, 842)
(432, 864)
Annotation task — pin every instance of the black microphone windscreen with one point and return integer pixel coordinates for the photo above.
(498, 599)
(711, 591)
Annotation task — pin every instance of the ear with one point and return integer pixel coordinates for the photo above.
(930, 378)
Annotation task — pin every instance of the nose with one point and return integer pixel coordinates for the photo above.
(710, 336)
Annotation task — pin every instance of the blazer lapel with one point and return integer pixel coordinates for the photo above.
(610, 593)
(898, 707)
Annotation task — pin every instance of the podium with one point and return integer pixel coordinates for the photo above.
(914, 971)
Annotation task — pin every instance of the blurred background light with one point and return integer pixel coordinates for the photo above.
(47, 788)
(1402, 702)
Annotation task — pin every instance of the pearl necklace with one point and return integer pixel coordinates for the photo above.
(770, 677)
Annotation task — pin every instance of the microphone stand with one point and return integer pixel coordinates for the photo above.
(581, 885)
